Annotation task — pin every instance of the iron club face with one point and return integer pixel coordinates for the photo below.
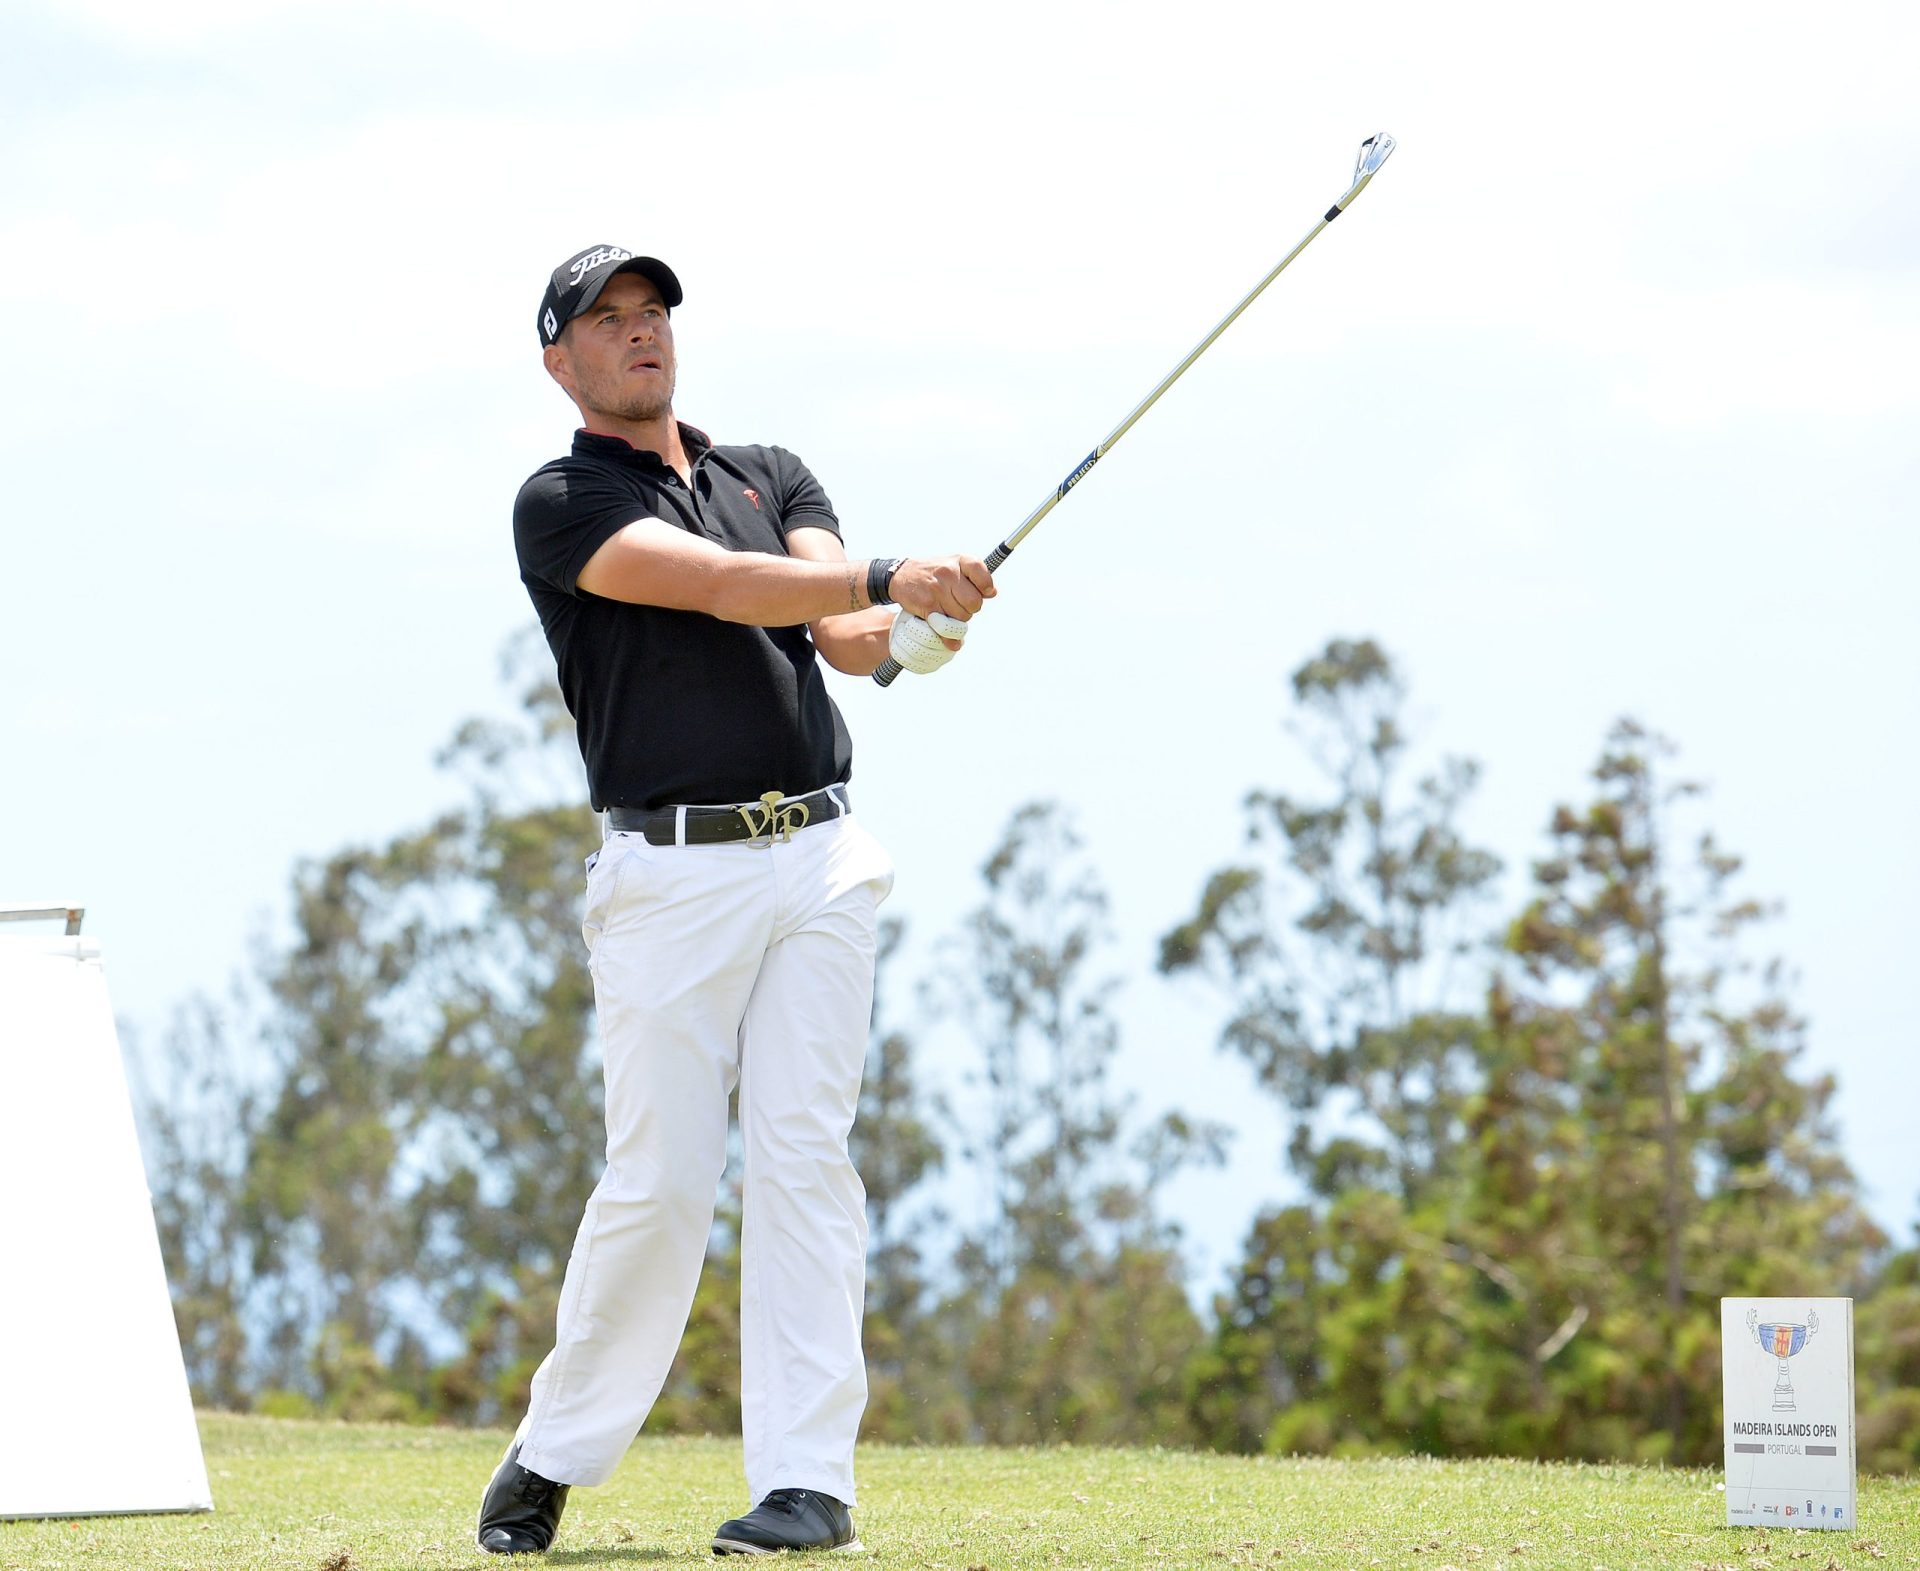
(1374, 152)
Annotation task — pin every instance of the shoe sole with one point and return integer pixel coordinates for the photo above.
(739, 1546)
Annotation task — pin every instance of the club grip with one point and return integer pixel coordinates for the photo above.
(889, 668)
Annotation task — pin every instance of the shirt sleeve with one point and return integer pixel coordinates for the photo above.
(803, 501)
(560, 519)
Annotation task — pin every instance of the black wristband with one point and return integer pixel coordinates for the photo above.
(880, 573)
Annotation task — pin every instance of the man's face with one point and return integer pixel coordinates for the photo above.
(616, 358)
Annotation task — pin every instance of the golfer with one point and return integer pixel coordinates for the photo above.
(689, 593)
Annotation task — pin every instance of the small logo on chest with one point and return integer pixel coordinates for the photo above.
(752, 496)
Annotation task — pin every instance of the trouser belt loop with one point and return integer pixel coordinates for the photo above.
(680, 825)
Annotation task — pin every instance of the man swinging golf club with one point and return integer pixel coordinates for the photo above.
(688, 592)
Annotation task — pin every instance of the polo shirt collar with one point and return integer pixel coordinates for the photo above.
(598, 444)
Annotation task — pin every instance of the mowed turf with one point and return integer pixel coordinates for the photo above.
(339, 1497)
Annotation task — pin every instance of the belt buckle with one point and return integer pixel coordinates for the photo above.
(775, 822)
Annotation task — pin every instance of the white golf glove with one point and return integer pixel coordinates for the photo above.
(916, 643)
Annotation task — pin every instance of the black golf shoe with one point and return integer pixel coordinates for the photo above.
(520, 1512)
(788, 1519)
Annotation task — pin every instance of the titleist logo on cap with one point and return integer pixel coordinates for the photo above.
(584, 265)
(576, 283)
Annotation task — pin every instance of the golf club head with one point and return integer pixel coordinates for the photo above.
(1374, 152)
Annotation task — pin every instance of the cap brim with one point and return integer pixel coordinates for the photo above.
(650, 268)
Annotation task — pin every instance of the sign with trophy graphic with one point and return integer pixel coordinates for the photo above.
(1787, 1372)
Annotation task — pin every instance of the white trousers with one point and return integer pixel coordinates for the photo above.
(717, 965)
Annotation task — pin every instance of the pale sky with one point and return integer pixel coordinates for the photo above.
(1601, 400)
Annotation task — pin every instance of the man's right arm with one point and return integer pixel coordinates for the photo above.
(651, 562)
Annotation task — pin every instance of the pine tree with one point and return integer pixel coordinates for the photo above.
(1706, 1166)
(199, 1105)
(912, 1390)
(1887, 1358)
(1070, 1313)
(1335, 943)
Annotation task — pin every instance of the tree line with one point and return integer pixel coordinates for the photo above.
(1530, 1149)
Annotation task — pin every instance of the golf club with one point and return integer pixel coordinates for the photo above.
(1373, 153)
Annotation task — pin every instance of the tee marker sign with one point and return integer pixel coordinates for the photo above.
(1787, 1372)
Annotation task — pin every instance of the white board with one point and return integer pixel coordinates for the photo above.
(1787, 1373)
(97, 1416)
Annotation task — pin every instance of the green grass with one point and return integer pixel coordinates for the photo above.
(339, 1497)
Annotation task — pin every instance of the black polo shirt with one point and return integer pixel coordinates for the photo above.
(678, 706)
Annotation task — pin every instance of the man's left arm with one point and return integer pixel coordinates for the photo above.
(855, 641)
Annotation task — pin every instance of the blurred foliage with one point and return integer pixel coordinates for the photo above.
(1070, 1314)
(1887, 1356)
(1526, 1157)
(1520, 1219)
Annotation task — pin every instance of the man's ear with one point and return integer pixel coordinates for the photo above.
(554, 356)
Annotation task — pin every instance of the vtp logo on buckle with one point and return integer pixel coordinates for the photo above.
(775, 822)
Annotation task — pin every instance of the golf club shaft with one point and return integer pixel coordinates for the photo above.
(890, 668)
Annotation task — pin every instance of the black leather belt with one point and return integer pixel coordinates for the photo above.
(773, 817)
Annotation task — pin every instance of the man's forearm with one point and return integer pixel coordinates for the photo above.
(855, 643)
(653, 563)
(782, 591)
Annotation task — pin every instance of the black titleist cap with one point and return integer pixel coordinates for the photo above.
(577, 282)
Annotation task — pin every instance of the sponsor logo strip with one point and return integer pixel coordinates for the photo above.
(1079, 473)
